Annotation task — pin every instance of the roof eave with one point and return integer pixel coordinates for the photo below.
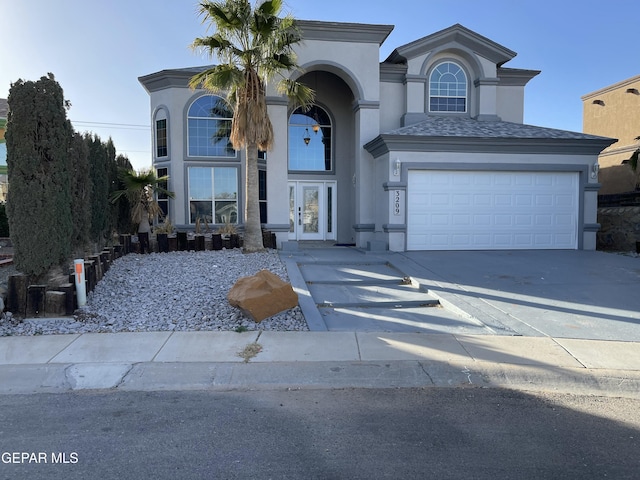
(386, 143)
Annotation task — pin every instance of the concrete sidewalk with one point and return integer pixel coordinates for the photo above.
(215, 361)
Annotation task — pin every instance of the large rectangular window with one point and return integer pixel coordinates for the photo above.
(213, 194)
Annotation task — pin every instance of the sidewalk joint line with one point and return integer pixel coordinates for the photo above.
(153, 359)
(66, 346)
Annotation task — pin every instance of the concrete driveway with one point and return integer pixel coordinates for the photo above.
(557, 293)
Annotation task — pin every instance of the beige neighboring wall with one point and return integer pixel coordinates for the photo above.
(614, 111)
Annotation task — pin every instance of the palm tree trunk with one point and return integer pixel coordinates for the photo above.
(252, 227)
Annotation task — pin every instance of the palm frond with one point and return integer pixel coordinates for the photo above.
(300, 94)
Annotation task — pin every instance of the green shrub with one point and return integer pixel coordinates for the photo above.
(39, 200)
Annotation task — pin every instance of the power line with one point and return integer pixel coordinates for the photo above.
(130, 126)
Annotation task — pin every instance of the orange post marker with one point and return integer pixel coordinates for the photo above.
(79, 269)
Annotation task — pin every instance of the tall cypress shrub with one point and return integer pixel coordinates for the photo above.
(98, 174)
(80, 195)
(39, 199)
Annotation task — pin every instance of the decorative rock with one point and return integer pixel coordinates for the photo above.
(262, 295)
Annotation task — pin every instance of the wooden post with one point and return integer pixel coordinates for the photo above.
(199, 243)
(17, 294)
(182, 241)
(216, 241)
(35, 300)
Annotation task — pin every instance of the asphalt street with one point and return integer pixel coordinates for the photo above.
(429, 433)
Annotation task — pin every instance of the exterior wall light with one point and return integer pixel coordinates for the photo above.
(396, 167)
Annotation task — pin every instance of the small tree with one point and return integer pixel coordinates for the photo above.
(121, 208)
(39, 199)
(140, 189)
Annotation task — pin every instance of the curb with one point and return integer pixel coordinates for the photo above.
(158, 376)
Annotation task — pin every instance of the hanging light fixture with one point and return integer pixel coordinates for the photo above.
(306, 137)
(316, 123)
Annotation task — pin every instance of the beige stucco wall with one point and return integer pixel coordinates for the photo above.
(614, 112)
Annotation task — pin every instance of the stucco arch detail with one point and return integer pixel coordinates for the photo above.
(466, 58)
(346, 75)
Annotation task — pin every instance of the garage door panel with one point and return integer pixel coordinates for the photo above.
(491, 210)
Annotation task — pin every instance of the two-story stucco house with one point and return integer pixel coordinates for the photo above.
(426, 150)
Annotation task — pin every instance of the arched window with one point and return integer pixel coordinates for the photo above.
(448, 88)
(209, 124)
(310, 140)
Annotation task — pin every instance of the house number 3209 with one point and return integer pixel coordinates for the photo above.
(396, 203)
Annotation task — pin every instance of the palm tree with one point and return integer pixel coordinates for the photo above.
(254, 45)
(140, 189)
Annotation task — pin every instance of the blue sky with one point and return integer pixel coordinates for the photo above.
(98, 49)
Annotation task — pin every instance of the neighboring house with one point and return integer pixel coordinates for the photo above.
(424, 151)
(614, 111)
(4, 111)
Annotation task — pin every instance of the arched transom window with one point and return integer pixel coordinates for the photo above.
(448, 88)
(310, 140)
(209, 124)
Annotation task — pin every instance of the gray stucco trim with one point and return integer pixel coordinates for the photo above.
(387, 186)
(416, 79)
(486, 81)
(592, 187)
(386, 143)
(591, 227)
(364, 227)
(504, 167)
(392, 73)
(178, 78)
(344, 32)
(278, 101)
(515, 77)
(277, 227)
(365, 105)
(455, 34)
(394, 228)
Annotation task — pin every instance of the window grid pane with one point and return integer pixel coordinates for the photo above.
(213, 194)
(209, 127)
(161, 138)
(448, 89)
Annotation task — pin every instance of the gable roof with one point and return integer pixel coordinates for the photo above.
(461, 133)
(454, 34)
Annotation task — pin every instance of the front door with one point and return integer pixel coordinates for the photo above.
(312, 210)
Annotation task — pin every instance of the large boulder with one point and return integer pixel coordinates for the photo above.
(262, 295)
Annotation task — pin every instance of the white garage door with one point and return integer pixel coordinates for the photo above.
(483, 210)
